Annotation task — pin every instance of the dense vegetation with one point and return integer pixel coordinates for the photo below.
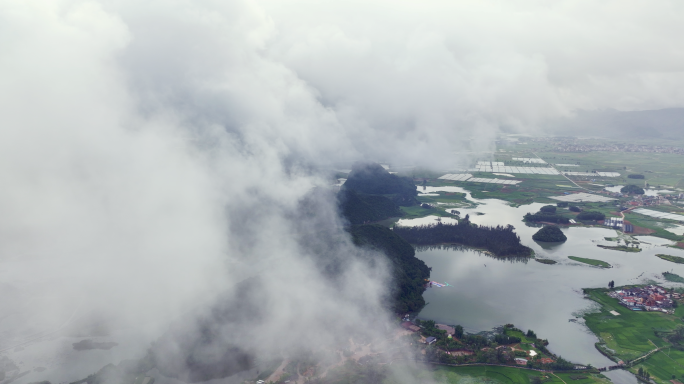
(503, 339)
(550, 233)
(632, 189)
(409, 272)
(546, 217)
(373, 179)
(575, 208)
(359, 208)
(591, 215)
(484, 350)
(502, 241)
(547, 209)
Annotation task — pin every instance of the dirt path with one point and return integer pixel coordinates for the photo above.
(562, 174)
(278, 372)
(646, 355)
(558, 377)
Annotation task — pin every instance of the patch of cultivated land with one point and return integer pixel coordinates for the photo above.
(634, 334)
(509, 375)
(594, 262)
(654, 226)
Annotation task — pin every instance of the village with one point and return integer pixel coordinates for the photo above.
(510, 347)
(647, 298)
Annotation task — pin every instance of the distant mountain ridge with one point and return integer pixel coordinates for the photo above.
(611, 123)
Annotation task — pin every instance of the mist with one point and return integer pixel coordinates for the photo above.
(160, 159)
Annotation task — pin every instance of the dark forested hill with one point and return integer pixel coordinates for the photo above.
(359, 208)
(373, 179)
(502, 241)
(550, 233)
(409, 272)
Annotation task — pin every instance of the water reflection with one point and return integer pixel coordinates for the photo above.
(456, 247)
(426, 221)
(647, 191)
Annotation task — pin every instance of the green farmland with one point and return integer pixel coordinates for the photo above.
(507, 375)
(653, 224)
(632, 334)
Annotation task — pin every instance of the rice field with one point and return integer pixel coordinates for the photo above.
(630, 334)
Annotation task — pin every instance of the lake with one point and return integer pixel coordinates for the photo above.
(647, 191)
(487, 292)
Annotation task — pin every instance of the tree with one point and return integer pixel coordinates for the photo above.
(548, 209)
(531, 334)
(632, 189)
(458, 332)
(550, 233)
(640, 372)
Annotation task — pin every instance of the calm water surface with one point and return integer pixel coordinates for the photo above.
(647, 191)
(487, 292)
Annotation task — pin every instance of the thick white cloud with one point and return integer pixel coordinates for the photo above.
(440, 69)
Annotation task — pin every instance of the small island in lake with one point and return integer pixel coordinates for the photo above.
(501, 241)
(674, 259)
(623, 248)
(594, 262)
(632, 189)
(550, 234)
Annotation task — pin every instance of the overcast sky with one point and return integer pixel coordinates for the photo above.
(152, 152)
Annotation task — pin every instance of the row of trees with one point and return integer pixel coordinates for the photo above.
(502, 241)
(591, 215)
(643, 373)
(546, 217)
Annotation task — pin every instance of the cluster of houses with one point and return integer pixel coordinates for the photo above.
(615, 222)
(618, 223)
(649, 298)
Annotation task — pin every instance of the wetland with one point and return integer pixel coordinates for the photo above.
(486, 292)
